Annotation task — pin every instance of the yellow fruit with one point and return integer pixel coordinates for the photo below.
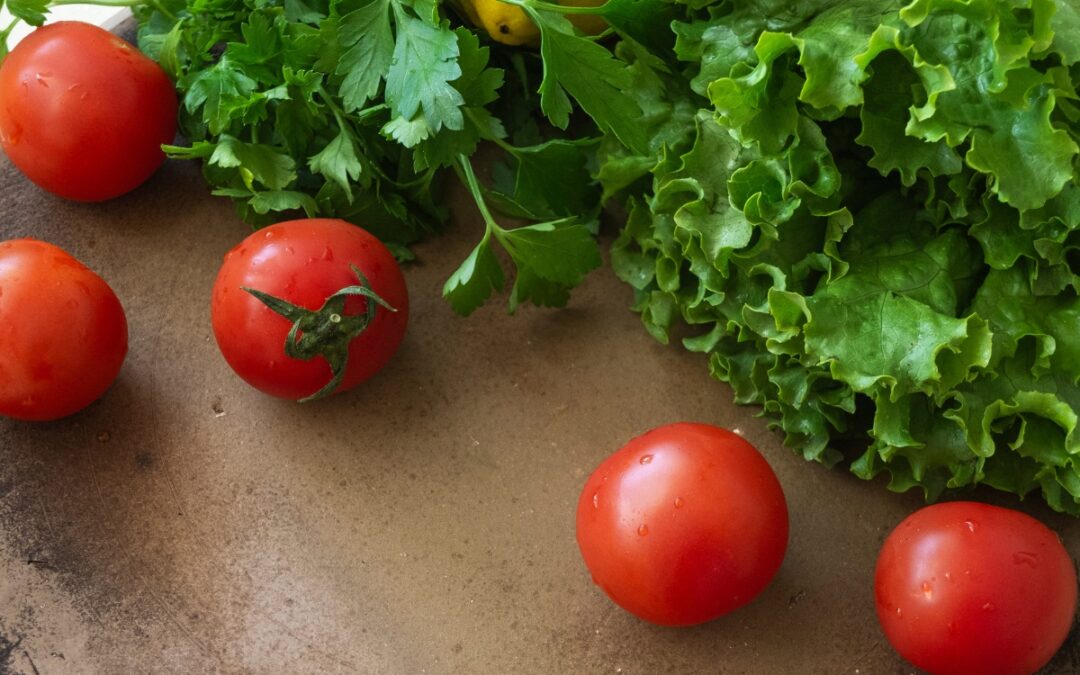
(510, 25)
(505, 23)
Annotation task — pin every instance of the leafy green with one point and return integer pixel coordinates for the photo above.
(864, 212)
(367, 39)
(550, 258)
(31, 11)
(423, 64)
(872, 232)
(591, 74)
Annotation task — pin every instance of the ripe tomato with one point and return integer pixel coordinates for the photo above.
(683, 524)
(964, 587)
(305, 263)
(63, 334)
(83, 114)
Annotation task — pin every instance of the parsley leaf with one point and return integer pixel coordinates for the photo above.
(31, 11)
(264, 163)
(423, 65)
(473, 282)
(591, 74)
(215, 90)
(550, 258)
(561, 251)
(338, 162)
(366, 35)
(479, 86)
(547, 181)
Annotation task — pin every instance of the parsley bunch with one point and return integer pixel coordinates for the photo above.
(359, 109)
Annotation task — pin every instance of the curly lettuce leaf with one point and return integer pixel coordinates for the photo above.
(880, 250)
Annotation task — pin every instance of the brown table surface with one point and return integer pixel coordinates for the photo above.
(423, 523)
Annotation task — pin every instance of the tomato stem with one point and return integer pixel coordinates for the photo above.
(328, 331)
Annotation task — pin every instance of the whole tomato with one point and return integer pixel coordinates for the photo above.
(63, 333)
(683, 524)
(83, 114)
(970, 588)
(306, 308)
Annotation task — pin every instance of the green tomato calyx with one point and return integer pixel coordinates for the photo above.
(328, 331)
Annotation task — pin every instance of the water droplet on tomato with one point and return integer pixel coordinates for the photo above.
(596, 500)
(969, 525)
(269, 234)
(643, 530)
(948, 576)
(679, 501)
(899, 612)
(43, 79)
(927, 590)
(1026, 558)
(327, 254)
(988, 607)
(646, 459)
(951, 627)
(12, 136)
(290, 250)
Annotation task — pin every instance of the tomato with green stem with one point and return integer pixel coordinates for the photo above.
(63, 333)
(83, 114)
(964, 588)
(307, 308)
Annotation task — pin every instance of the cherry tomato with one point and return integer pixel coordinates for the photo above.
(964, 587)
(63, 334)
(83, 114)
(305, 263)
(683, 524)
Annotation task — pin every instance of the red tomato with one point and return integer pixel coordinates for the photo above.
(83, 114)
(63, 334)
(683, 524)
(305, 262)
(964, 587)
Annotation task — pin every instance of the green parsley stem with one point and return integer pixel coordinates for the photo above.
(331, 103)
(477, 195)
(504, 145)
(7, 31)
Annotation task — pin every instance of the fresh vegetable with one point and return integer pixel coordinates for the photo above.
(864, 211)
(508, 24)
(683, 524)
(968, 588)
(83, 114)
(362, 110)
(63, 333)
(867, 214)
(307, 308)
